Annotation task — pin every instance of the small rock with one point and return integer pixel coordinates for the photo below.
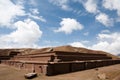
(96, 69)
(30, 75)
(102, 76)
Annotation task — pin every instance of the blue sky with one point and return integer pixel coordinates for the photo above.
(92, 24)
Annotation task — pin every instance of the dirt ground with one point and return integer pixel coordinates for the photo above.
(103, 73)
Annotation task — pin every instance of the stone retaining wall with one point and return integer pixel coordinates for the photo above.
(52, 68)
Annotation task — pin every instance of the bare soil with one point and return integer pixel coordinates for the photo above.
(103, 73)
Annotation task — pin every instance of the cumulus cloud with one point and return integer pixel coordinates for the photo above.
(63, 4)
(9, 11)
(112, 5)
(24, 33)
(90, 6)
(109, 42)
(104, 19)
(68, 25)
(27, 33)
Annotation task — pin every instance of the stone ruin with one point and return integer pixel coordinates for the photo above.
(56, 60)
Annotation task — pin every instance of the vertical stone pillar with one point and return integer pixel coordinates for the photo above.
(33, 67)
(44, 69)
(47, 70)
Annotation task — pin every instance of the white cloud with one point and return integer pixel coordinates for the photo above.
(37, 17)
(90, 6)
(27, 33)
(109, 42)
(34, 11)
(105, 31)
(77, 44)
(86, 33)
(9, 11)
(61, 3)
(77, 12)
(19, 2)
(68, 25)
(33, 2)
(104, 19)
(112, 5)
(34, 14)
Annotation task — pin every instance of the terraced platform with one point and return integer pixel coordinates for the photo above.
(57, 60)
